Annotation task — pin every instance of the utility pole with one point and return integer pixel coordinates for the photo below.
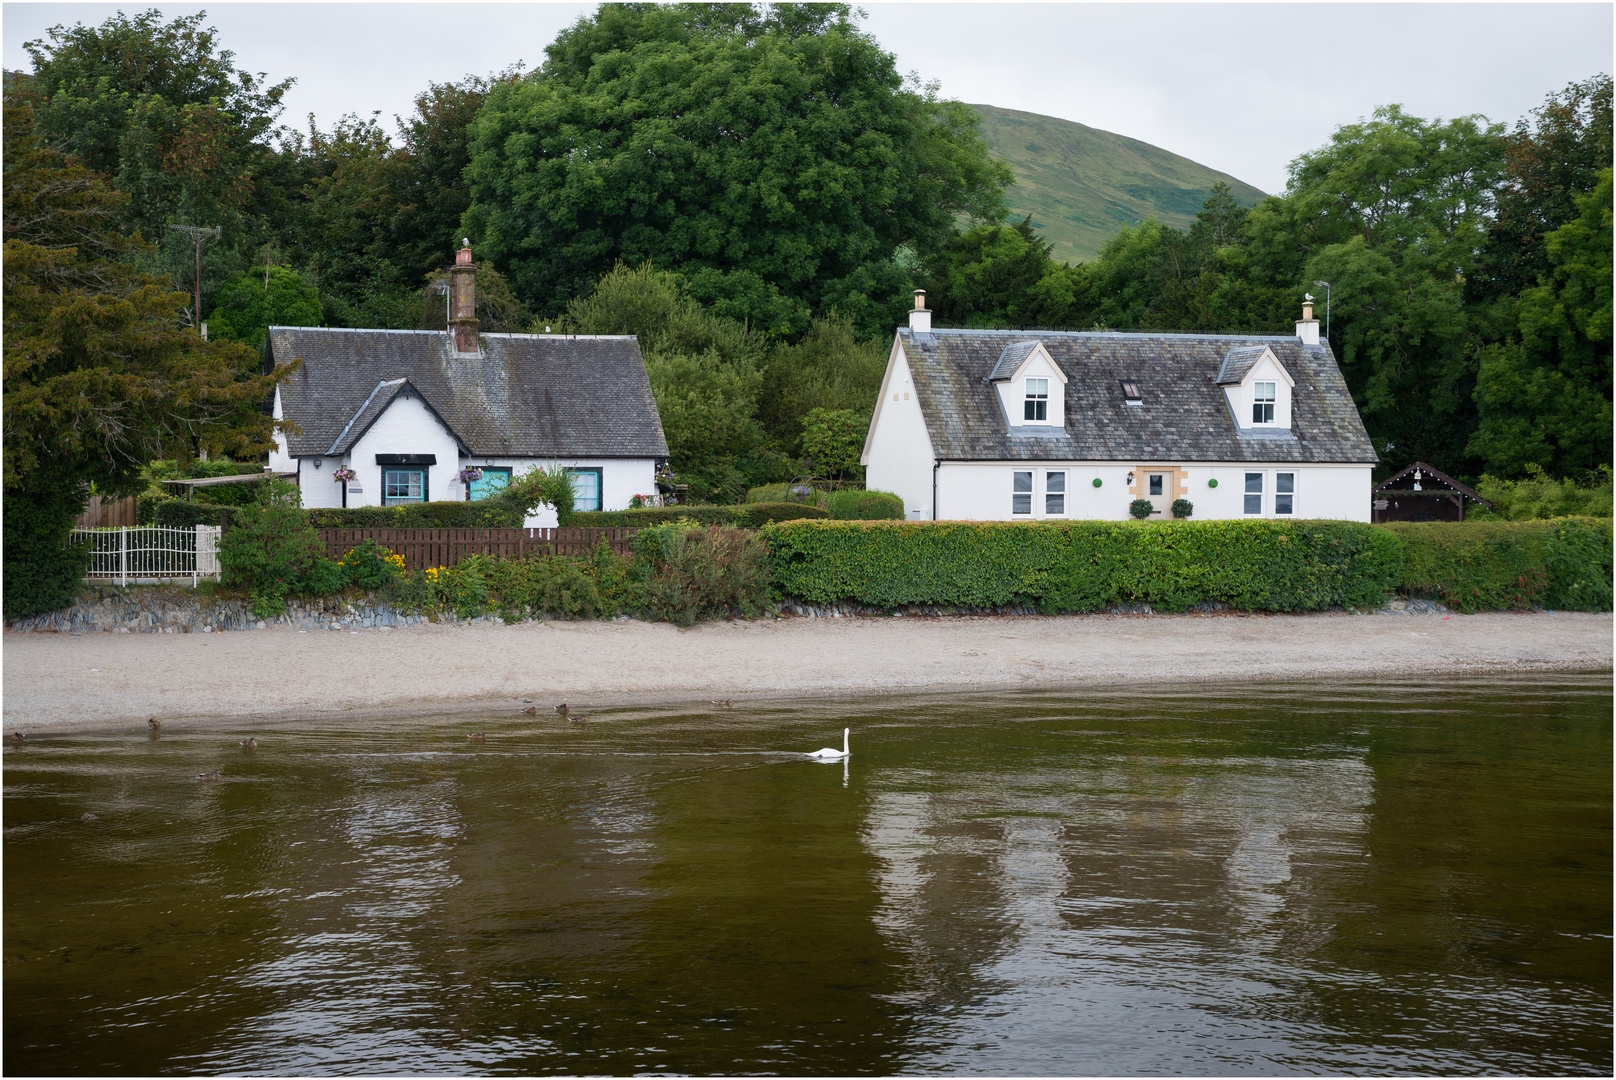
(199, 233)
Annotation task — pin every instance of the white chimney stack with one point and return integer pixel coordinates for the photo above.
(1308, 327)
(920, 318)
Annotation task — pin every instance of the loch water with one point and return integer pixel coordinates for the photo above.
(1390, 876)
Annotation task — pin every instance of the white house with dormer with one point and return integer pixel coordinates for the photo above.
(1012, 425)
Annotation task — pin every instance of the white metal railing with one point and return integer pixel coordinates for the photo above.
(151, 552)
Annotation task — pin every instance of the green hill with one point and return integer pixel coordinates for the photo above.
(1081, 185)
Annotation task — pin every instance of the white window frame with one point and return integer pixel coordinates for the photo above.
(1258, 494)
(1284, 501)
(1060, 493)
(1263, 409)
(1035, 408)
(1017, 492)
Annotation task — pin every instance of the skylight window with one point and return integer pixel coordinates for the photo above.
(1130, 393)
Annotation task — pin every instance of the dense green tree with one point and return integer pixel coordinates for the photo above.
(1552, 157)
(985, 276)
(174, 124)
(829, 368)
(1546, 398)
(99, 374)
(833, 439)
(771, 156)
(255, 300)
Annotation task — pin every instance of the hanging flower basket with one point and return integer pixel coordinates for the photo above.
(470, 476)
(340, 475)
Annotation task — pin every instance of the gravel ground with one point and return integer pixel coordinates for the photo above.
(108, 680)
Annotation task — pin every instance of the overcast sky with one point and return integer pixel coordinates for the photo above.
(1243, 88)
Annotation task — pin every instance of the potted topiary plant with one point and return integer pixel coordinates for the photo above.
(1183, 508)
(1141, 508)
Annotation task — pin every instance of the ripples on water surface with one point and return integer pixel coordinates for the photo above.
(1294, 878)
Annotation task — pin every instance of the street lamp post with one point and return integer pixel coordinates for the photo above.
(1325, 285)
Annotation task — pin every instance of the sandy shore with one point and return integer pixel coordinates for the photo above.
(109, 680)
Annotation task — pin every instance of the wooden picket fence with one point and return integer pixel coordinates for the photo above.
(423, 548)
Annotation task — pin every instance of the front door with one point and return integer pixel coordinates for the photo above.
(1159, 490)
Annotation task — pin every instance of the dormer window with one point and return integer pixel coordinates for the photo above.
(1262, 403)
(1130, 393)
(1037, 405)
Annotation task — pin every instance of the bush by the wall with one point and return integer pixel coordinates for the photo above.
(1562, 563)
(482, 514)
(693, 572)
(851, 504)
(270, 547)
(1084, 565)
(42, 569)
(172, 513)
(747, 515)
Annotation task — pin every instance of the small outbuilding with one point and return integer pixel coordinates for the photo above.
(1421, 493)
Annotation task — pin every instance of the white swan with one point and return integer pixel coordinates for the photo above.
(828, 754)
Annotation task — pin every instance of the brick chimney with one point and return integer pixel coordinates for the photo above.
(463, 301)
(920, 318)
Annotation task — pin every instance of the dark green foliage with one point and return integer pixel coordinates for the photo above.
(1183, 508)
(1082, 566)
(482, 514)
(747, 515)
(852, 504)
(246, 307)
(42, 570)
(369, 565)
(269, 547)
(165, 510)
(1564, 563)
(1538, 496)
(323, 578)
(693, 572)
(1140, 509)
(833, 439)
(771, 155)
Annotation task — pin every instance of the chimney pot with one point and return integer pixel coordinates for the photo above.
(463, 301)
(920, 299)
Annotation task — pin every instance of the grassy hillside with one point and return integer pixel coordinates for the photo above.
(1081, 184)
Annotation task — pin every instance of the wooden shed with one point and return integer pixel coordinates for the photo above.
(1421, 493)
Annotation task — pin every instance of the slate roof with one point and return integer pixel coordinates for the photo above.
(1184, 415)
(1015, 354)
(1237, 364)
(526, 395)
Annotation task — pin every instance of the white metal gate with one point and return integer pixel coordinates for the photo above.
(151, 553)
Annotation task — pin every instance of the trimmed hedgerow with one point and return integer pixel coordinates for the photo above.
(1085, 565)
(852, 504)
(173, 513)
(1562, 563)
(483, 514)
(746, 515)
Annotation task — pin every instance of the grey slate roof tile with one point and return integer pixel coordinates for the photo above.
(1015, 354)
(1237, 364)
(1184, 415)
(526, 395)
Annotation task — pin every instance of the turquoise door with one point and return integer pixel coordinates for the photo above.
(491, 483)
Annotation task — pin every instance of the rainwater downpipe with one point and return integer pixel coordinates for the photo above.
(935, 463)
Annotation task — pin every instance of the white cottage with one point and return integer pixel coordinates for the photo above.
(1013, 425)
(410, 413)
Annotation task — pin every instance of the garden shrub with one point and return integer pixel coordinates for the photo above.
(1538, 496)
(694, 572)
(1140, 509)
(323, 578)
(748, 515)
(370, 566)
(269, 547)
(852, 504)
(172, 513)
(1562, 563)
(1085, 565)
(1183, 508)
(42, 570)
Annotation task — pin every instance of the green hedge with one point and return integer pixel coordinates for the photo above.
(848, 504)
(458, 514)
(1562, 563)
(748, 515)
(173, 513)
(1085, 565)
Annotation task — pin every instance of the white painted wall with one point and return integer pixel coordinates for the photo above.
(620, 480)
(406, 427)
(280, 460)
(1013, 392)
(897, 453)
(981, 491)
(1242, 397)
